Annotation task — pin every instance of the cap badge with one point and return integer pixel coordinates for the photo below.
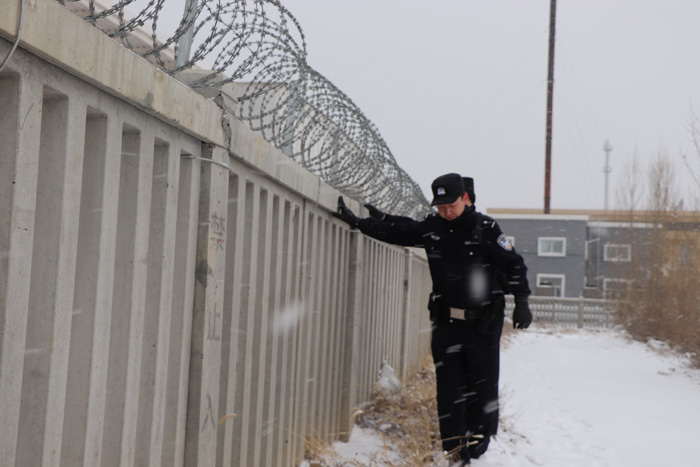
(440, 191)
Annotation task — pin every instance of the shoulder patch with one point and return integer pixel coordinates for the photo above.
(504, 243)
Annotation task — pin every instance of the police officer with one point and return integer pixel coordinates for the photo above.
(466, 253)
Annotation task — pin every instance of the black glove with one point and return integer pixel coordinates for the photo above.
(374, 212)
(345, 214)
(522, 317)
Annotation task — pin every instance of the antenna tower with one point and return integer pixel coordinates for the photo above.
(607, 169)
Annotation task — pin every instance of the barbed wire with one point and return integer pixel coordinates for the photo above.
(255, 51)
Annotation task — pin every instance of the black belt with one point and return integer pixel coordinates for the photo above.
(458, 313)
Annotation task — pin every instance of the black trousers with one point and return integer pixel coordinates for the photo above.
(466, 366)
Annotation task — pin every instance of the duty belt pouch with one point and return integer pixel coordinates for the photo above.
(439, 310)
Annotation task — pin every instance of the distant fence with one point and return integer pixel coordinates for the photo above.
(573, 312)
(162, 267)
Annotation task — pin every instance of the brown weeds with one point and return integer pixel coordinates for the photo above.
(408, 419)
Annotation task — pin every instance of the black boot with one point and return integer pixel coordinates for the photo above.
(477, 445)
(458, 457)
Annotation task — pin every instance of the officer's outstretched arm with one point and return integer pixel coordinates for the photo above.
(405, 234)
(383, 216)
(374, 212)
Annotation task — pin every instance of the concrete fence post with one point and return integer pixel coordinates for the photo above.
(203, 395)
(52, 280)
(160, 264)
(92, 300)
(406, 318)
(350, 376)
(19, 159)
(129, 297)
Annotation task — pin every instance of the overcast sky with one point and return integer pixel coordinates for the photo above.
(460, 86)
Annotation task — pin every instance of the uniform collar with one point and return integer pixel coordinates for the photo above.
(466, 219)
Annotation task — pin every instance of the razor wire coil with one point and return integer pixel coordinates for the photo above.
(256, 50)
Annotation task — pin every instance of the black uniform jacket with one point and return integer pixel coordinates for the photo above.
(464, 261)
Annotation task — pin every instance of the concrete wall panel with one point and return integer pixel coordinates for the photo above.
(205, 361)
(231, 318)
(183, 297)
(52, 278)
(128, 306)
(92, 298)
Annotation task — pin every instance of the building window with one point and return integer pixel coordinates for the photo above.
(556, 281)
(615, 288)
(551, 246)
(617, 253)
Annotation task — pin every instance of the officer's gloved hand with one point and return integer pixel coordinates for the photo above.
(345, 214)
(522, 317)
(374, 212)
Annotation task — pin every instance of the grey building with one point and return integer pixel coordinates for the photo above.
(554, 249)
(610, 247)
(591, 254)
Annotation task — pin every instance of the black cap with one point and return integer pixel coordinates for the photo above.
(469, 188)
(447, 188)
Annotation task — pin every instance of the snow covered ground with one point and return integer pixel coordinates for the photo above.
(581, 398)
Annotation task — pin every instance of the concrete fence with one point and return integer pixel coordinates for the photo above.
(162, 267)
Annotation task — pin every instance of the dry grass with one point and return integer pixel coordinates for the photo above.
(662, 299)
(408, 420)
(317, 448)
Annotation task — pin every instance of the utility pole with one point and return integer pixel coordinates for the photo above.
(550, 96)
(606, 170)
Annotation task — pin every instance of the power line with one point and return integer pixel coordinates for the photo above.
(489, 106)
